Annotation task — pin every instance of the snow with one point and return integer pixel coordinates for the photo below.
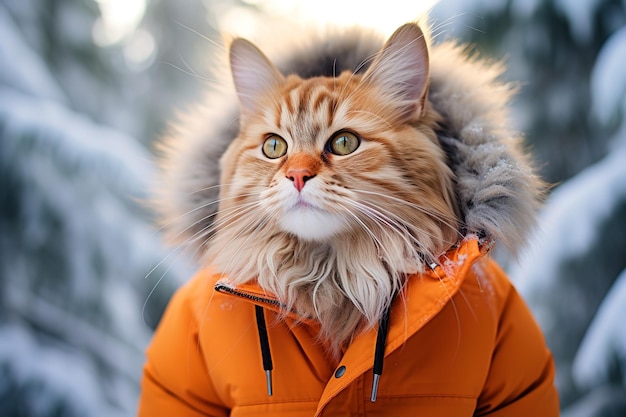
(608, 79)
(65, 141)
(123, 356)
(77, 182)
(604, 341)
(570, 220)
(27, 70)
(454, 8)
(606, 400)
(64, 372)
(454, 16)
(76, 140)
(84, 176)
(580, 15)
(524, 8)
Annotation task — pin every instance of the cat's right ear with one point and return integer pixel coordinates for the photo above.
(252, 72)
(401, 70)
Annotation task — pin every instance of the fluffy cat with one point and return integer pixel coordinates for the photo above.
(333, 188)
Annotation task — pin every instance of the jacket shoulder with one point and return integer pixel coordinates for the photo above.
(175, 378)
(520, 378)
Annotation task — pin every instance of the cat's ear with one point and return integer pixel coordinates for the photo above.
(252, 72)
(401, 69)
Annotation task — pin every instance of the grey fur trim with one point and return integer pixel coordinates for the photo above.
(495, 184)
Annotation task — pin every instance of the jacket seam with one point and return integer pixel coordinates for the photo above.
(456, 397)
(380, 396)
(270, 403)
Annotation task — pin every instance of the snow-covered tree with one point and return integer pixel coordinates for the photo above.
(550, 47)
(575, 273)
(75, 243)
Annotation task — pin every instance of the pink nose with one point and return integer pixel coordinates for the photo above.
(299, 177)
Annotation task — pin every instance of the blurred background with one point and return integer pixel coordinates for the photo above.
(87, 86)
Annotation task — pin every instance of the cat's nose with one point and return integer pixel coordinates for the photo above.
(299, 177)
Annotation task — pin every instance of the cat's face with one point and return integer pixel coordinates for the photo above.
(339, 158)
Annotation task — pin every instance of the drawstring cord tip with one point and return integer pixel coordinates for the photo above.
(268, 378)
(379, 352)
(266, 354)
(375, 388)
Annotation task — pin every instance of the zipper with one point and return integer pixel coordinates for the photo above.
(224, 288)
(255, 298)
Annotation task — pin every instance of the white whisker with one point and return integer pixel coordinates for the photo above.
(198, 208)
(206, 38)
(202, 232)
(437, 216)
(393, 225)
(193, 74)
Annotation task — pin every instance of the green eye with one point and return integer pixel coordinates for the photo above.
(344, 143)
(274, 147)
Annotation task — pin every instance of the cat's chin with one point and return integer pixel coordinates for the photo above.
(310, 223)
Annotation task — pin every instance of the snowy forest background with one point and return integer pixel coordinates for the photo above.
(84, 276)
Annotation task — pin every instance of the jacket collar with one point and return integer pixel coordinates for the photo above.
(424, 295)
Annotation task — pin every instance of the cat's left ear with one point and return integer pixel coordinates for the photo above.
(253, 73)
(401, 69)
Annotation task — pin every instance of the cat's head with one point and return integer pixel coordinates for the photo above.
(344, 158)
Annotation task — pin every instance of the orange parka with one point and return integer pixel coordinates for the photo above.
(461, 342)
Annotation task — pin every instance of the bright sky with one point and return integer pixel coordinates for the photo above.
(120, 19)
(385, 15)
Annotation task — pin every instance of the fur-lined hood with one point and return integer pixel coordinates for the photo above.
(497, 190)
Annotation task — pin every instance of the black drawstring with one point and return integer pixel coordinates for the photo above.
(265, 347)
(379, 352)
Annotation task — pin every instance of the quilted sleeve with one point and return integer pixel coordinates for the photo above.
(520, 381)
(175, 379)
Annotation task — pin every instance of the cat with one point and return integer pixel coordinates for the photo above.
(334, 188)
